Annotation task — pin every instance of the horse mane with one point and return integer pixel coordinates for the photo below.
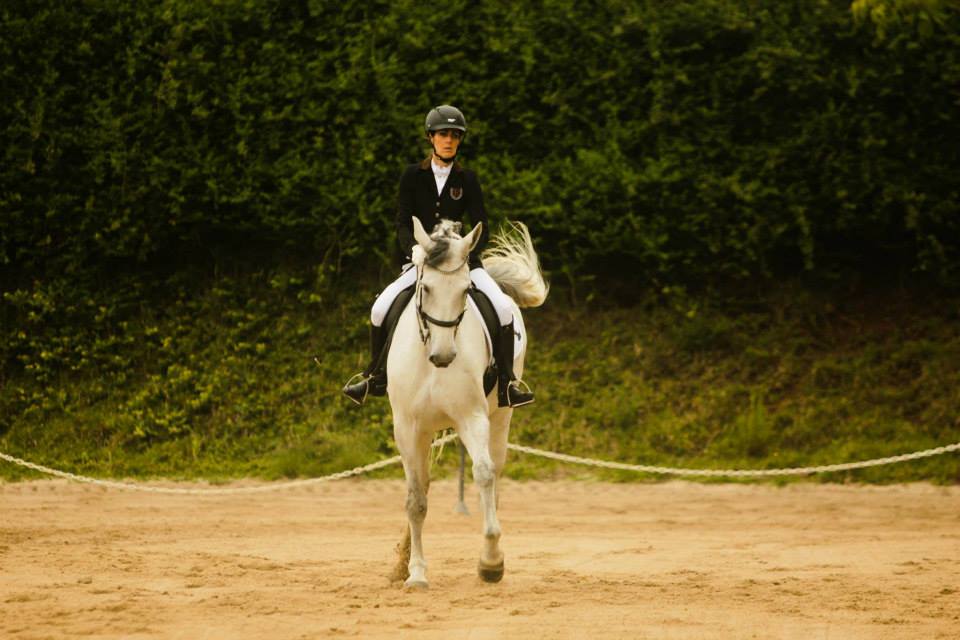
(512, 262)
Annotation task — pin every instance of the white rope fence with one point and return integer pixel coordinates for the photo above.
(440, 442)
(213, 491)
(737, 473)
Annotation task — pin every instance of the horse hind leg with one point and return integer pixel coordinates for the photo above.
(401, 571)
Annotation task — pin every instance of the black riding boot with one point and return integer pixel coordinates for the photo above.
(373, 380)
(509, 393)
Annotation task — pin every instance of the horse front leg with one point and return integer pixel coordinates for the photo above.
(415, 451)
(474, 432)
(499, 437)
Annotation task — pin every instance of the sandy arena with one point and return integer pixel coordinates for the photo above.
(583, 560)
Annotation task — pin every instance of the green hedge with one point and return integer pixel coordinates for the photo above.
(678, 140)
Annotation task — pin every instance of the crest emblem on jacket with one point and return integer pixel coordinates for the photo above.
(456, 192)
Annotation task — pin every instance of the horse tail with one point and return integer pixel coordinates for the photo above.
(512, 262)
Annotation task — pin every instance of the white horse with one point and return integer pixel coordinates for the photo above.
(435, 373)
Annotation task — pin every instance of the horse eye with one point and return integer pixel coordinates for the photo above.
(426, 289)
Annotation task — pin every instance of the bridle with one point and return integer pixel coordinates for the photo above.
(424, 319)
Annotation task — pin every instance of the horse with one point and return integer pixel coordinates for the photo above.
(435, 368)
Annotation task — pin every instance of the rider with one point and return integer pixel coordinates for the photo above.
(434, 189)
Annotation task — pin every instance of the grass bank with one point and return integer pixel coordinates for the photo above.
(240, 377)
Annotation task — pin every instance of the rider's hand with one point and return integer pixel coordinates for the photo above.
(417, 255)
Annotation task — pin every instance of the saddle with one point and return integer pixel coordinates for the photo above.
(490, 320)
(487, 314)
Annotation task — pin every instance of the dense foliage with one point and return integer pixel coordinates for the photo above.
(683, 139)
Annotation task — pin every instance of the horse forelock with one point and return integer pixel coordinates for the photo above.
(438, 252)
(445, 237)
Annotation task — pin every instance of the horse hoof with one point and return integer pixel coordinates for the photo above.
(415, 585)
(491, 573)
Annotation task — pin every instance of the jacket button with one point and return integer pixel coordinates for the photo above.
(436, 215)
(438, 203)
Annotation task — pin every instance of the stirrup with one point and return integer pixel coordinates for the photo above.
(364, 380)
(526, 390)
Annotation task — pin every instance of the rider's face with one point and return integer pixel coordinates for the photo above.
(446, 142)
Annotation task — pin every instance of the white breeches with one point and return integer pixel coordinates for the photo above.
(382, 304)
(501, 302)
(480, 278)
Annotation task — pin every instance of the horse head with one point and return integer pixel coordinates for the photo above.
(443, 278)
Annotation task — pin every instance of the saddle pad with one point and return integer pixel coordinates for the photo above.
(475, 310)
(490, 323)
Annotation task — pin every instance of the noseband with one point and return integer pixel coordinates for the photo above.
(424, 319)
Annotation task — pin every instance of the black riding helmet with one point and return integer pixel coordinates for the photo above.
(445, 117)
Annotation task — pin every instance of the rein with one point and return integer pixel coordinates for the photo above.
(424, 319)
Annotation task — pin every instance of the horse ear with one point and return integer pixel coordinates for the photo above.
(474, 236)
(420, 234)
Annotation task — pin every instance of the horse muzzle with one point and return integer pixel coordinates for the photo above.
(442, 361)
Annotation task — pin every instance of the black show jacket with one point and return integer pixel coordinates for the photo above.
(461, 195)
